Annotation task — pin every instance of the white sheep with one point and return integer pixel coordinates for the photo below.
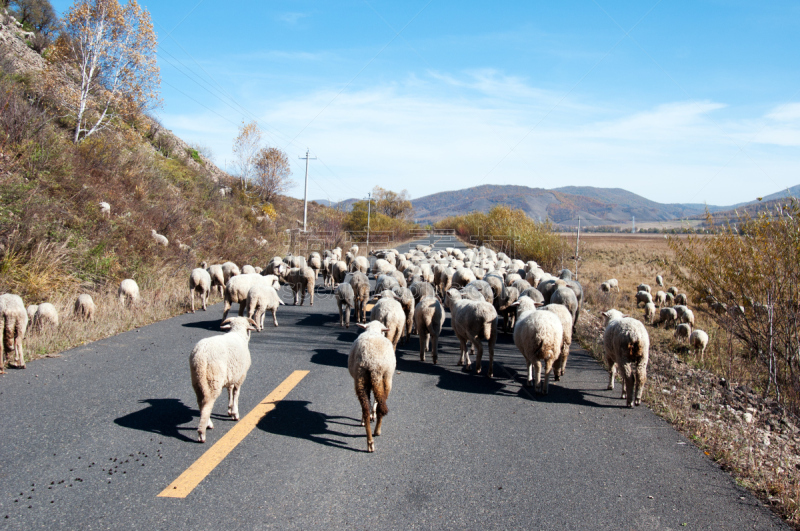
(354, 249)
(462, 277)
(473, 321)
(360, 264)
(128, 292)
(682, 332)
(248, 269)
(643, 287)
(371, 363)
(338, 272)
(566, 297)
(15, 324)
(699, 341)
(681, 298)
(302, 280)
(649, 312)
(346, 302)
(260, 299)
(217, 278)
(667, 316)
(627, 347)
(383, 267)
(84, 307)
(200, 283)
(238, 287)
(390, 312)
(429, 317)
(160, 239)
(564, 315)
(229, 269)
(660, 299)
(539, 337)
(105, 209)
(220, 362)
(360, 285)
(315, 262)
(659, 280)
(46, 316)
(31, 310)
(643, 297)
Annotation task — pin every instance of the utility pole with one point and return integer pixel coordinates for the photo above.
(369, 210)
(633, 224)
(577, 248)
(305, 196)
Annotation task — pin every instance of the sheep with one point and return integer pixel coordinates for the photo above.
(495, 282)
(613, 283)
(338, 273)
(160, 239)
(217, 278)
(200, 283)
(429, 317)
(128, 292)
(669, 299)
(473, 321)
(261, 298)
(660, 299)
(539, 337)
(504, 304)
(659, 280)
(371, 363)
(105, 209)
(382, 267)
(354, 249)
(302, 280)
(248, 269)
(31, 311)
(407, 301)
(673, 290)
(643, 287)
(604, 287)
(315, 263)
(385, 282)
(229, 269)
(667, 316)
(627, 347)
(687, 317)
(238, 287)
(462, 277)
(294, 261)
(649, 312)
(390, 312)
(220, 362)
(15, 324)
(360, 284)
(643, 297)
(344, 298)
(484, 289)
(567, 298)
(563, 313)
(533, 293)
(681, 298)
(84, 307)
(699, 341)
(512, 277)
(420, 289)
(682, 332)
(360, 264)
(275, 267)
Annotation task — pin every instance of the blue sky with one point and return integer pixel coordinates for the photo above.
(678, 101)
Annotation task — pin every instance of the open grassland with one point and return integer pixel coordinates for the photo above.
(717, 400)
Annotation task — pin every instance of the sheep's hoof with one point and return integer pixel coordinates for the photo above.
(210, 425)
(637, 402)
(376, 433)
(489, 374)
(610, 387)
(434, 361)
(201, 437)
(528, 383)
(370, 447)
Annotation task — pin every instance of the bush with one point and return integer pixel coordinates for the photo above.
(513, 232)
(747, 278)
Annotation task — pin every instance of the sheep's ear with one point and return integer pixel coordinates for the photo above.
(361, 325)
(384, 329)
(226, 325)
(538, 304)
(252, 325)
(625, 315)
(516, 303)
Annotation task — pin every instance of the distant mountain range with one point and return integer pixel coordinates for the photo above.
(563, 206)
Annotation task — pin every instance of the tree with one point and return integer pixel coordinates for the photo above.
(110, 51)
(392, 204)
(245, 148)
(36, 14)
(272, 172)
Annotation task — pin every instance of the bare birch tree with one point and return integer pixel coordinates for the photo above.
(245, 148)
(110, 52)
(272, 173)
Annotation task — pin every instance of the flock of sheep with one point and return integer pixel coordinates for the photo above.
(412, 291)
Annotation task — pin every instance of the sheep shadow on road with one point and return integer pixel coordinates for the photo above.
(293, 418)
(163, 416)
(207, 325)
(330, 357)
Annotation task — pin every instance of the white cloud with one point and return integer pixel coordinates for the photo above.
(789, 112)
(292, 18)
(433, 133)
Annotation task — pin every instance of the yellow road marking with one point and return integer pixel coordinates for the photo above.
(192, 476)
(369, 307)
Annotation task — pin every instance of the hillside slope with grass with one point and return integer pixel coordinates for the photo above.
(56, 243)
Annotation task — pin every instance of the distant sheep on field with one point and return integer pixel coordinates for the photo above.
(128, 292)
(84, 307)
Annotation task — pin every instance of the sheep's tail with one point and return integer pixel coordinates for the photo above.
(379, 390)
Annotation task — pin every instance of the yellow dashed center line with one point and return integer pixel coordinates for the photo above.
(186, 482)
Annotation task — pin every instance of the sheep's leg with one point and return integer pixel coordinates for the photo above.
(537, 370)
(640, 379)
(205, 300)
(191, 293)
(492, 341)
(341, 314)
(476, 342)
(423, 338)
(275, 316)
(311, 294)
(226, 309)
(206, 404)
(464, 354)
(233, 396)
(2, 359)
(547, 368)
(362, 392)
(612, 373)
(435, 347)
(242, 305)
(529, 381)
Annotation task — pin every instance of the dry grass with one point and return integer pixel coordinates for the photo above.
(709, 400)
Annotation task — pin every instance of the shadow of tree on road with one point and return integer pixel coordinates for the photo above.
(293, 418)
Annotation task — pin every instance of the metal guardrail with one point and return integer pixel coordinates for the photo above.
(380, 237)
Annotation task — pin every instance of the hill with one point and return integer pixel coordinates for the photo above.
(595, 206)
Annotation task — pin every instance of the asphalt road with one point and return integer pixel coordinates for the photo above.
(90, 439)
